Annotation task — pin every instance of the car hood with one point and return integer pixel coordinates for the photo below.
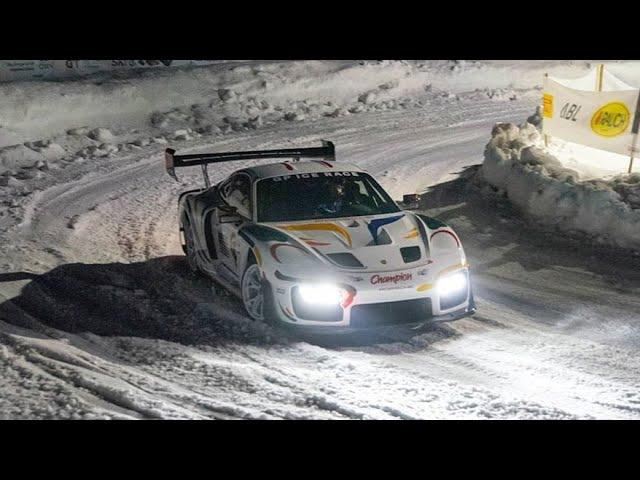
(375, 241)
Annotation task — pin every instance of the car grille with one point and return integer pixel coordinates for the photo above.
(390, 313)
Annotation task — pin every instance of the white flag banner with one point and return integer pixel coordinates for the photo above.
(597, 119)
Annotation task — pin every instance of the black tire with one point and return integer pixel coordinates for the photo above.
(189, 247)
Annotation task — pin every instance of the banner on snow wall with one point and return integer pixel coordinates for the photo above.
(599, 119)
(16, 70)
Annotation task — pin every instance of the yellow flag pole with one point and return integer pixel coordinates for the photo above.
(635, 128)
(600, 77)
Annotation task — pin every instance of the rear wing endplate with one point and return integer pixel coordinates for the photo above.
(173, 161)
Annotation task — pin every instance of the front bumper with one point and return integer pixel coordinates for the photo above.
(340, 329)
(410, 304)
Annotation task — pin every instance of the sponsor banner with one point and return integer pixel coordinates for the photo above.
(16, 70)
(28, 69)
(600, 120)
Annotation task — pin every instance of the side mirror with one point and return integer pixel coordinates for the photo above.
(227, 209)
(230, 219)
(411, 200)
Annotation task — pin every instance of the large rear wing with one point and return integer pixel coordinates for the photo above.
(173, 161)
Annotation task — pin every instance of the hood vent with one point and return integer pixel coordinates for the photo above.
(382, 238)
(345, 259)
(410, 254)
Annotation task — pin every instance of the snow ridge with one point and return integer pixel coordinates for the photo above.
(518, 166)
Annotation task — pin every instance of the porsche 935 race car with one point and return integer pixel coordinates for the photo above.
(319, 244)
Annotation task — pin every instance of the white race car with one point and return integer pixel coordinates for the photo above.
(320, 244)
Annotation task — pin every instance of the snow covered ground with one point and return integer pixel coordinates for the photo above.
(99, 317)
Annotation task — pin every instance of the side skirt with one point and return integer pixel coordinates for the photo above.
(211, 270)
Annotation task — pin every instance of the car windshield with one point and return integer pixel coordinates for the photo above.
(310, 196)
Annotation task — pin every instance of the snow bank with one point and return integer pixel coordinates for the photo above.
(32, 111)
(94, 118)
(517, 165)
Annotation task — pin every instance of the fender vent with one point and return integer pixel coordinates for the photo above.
(223, 246)
(345, 259)
(410, 254)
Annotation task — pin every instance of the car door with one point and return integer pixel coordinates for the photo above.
(235, 212)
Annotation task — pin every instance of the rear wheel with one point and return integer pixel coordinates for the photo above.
(189, 247)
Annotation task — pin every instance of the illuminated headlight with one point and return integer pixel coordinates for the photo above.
(321, 294)
(452, 284)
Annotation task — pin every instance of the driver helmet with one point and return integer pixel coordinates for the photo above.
(335, 190)
(351, 190)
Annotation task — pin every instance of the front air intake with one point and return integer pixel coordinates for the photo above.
(345, 259)
(410, 254)
(390, 313)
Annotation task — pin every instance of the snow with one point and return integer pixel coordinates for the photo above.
(99, 317)
(590, 163)
(19, 156)
(581, 199)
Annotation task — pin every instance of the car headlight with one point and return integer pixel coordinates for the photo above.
(326, 295)
(452, 284)
(321, 294)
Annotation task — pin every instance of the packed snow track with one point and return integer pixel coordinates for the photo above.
(100, 317)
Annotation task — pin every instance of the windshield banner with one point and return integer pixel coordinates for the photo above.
(315, 175)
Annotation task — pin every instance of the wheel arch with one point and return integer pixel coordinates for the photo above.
(446, 241)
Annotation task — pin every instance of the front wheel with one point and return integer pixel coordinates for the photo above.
(256, 295)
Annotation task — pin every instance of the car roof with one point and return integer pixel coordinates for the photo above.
(303, 166)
